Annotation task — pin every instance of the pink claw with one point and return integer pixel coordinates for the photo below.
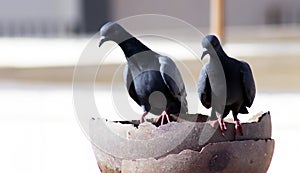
(238, 127)
(162, 117)
(222, 126)
(143, 119)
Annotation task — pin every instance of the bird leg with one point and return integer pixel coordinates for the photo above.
(238, 127)
(220, 120)
(162, 117)
(143, 117)
(222, 125)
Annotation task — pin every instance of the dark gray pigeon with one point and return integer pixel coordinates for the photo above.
(153, 81)
(225, 84)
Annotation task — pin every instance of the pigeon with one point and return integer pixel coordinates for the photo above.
(152, 80)
(225, 84)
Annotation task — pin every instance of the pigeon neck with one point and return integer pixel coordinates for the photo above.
(132, 46)
(221, 55)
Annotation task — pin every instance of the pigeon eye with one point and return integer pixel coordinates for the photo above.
(214, 44)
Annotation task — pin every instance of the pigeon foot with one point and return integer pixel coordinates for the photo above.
(143, 119)
(238, 128)
(222, 126)
(162, 117)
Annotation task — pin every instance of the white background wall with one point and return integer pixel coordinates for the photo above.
(64, 15)
(34, 16)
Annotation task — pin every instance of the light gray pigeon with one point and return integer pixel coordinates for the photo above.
(153, 81)
(225, 84)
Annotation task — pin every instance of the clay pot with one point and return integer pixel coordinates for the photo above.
(182, 146)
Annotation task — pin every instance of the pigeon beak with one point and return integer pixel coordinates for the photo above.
(205, 52)
(102, 40)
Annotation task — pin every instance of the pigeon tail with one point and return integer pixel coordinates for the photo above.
(243, 110)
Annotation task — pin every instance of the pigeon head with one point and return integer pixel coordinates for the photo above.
(112, 31)
(211, 44)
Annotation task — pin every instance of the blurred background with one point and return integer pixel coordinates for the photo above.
(41, 42)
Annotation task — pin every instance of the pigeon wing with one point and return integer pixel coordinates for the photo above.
(204, 89)
(130, 84)
(248, 84)
(172, 78)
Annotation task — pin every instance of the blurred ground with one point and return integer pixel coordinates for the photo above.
(271, 73)
(40, 132)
